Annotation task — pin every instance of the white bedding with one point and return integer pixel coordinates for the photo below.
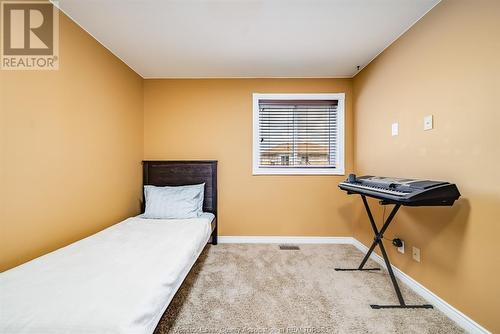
(119, 280)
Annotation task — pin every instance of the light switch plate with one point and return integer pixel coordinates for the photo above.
(395, 129)
(428, 122)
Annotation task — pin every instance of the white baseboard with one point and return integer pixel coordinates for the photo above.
(461, 319)
(283, 240)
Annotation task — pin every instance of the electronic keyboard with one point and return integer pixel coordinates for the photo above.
(408, 192)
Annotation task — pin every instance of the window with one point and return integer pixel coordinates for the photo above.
(298, 134)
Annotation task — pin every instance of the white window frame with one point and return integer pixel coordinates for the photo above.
(339, 170)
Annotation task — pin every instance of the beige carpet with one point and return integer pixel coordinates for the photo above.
(261, 289)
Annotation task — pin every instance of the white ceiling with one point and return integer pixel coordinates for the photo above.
(246, 38)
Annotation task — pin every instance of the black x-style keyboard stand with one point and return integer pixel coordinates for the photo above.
(378, 241)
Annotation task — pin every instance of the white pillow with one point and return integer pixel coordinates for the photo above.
(174, 202)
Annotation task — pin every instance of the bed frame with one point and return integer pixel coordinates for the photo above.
(185, 172)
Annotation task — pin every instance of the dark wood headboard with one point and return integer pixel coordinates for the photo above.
(180, 173)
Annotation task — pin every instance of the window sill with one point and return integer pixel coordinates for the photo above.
(297, 171)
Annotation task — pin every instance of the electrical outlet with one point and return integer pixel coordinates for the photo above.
(416, 254)
(402, 248)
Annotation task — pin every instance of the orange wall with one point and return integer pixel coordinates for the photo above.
(71, 143)
(70, 148)
(212, 119)
(447, 65)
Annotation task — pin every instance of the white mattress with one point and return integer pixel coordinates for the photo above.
(119, 280)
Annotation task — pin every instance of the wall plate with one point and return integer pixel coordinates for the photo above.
(416, 254)
(428, 122)
(395, 129)
(402, 248)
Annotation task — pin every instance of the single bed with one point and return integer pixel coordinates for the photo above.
(119, 280)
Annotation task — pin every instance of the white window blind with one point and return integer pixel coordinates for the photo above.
(298, 135)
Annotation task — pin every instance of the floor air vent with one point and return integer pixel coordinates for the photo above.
(289, 247)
